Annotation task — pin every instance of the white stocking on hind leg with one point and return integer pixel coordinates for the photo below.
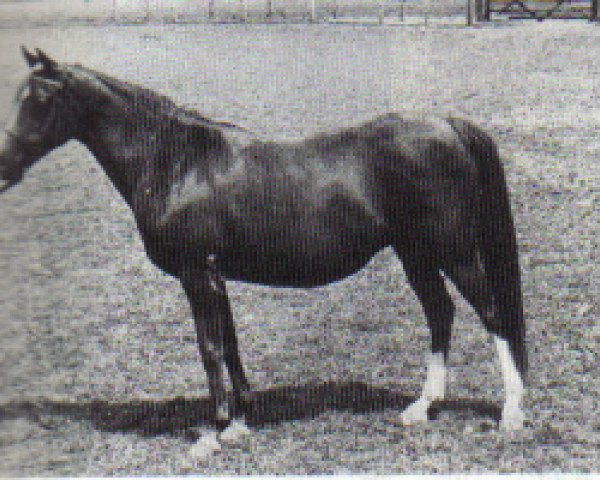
(512, 415)
(433, 389)
(430, 288)
(469, 278)
(471, 282)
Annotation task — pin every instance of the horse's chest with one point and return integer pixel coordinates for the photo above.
(172, 218)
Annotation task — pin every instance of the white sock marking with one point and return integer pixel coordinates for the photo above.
(206, 446)
(512, 416)
(434, 388)
(435, 385)
(235, 432)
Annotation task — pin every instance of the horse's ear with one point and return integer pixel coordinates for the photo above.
(43, 88)
(30, 58)
(46, 61)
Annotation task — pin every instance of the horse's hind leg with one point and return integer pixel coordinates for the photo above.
(428, 284)
(470, 279)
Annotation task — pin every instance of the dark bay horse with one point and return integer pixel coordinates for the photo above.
(212, 205)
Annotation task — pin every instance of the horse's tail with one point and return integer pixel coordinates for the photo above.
(498, 242)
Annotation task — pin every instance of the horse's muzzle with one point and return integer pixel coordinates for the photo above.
(10, 175)
(7, 184)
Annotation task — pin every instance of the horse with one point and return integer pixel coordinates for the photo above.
(214, 203)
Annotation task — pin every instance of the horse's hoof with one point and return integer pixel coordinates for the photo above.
(235, 432)
(415, 413)
(512, 419)
(206, 446)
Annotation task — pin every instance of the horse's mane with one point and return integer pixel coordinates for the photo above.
(155, 104)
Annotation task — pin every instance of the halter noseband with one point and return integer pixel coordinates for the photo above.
(23, 141)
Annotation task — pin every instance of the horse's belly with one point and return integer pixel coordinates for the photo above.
(305, 258)
(277, 239)
(288, 271)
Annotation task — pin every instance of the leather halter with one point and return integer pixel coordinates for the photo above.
(21, 140)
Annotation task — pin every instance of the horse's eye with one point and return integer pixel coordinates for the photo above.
(43, 89)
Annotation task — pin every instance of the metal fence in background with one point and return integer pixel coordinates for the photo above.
(380, 11)
(20, 12)
(334, 10)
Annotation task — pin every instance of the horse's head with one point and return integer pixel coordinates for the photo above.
(40, 120)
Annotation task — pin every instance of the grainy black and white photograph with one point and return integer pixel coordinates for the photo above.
(316, 237)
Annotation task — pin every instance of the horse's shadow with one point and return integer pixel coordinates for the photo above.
(180, 416)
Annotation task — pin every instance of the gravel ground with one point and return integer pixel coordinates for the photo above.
(99, 369)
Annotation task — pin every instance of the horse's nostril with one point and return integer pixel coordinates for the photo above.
(4, 185)
(3, 167)
(8, 172)
(9, 178)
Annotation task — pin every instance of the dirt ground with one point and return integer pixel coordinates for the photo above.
(99, 370)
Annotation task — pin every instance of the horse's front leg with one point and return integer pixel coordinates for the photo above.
(208, 299)
(241, 389)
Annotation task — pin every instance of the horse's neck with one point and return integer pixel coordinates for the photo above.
(121, 146)
(137, 152)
